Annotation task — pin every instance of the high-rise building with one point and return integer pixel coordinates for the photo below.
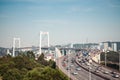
(115, 46)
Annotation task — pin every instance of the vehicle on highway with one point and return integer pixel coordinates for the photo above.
(78, 69)
(67, 60)
(116, 75)
(90, 68)
(106, 72)
(64, 64)
(68, 68)
(79, 59)
(71, 65)
(113, 72)
(74, 73)
(87, 63)
(96, 71)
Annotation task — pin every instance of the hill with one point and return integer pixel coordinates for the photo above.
(24, 67)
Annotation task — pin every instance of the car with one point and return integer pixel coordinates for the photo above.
(78, 69)
(90, 68)
(74, 73)
(64, 64)
(87, 64)
(68, 68)
(113, 72)
(115, 75)
(96, 71)
(106, 72)
(82, 63)
(79, 59)
(71, 65)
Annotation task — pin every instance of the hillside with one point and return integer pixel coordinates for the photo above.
(112, 59)
(24, 67)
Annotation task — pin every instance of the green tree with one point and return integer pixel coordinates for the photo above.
(110, 56)
(52, 64)
(41, 57)
(30, 54)
(12, 74)
(22, 67)
(42, 61)
(46, 73)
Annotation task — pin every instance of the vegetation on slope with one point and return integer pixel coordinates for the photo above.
(24, 67)
(112, 59)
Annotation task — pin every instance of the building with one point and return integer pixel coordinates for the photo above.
(116, 46)
(101, 46)
(87, 45)
(112, 46)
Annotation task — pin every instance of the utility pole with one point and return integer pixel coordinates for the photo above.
(90, 68)
(105, 51)
(119, 59)
(105, 57)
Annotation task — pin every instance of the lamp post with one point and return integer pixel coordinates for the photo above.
(119, 59)
(105, 58)
(90, 68)
(105, 55)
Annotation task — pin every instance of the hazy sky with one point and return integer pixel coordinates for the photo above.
(68, 21)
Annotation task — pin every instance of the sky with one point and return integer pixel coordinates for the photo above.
(67, 21)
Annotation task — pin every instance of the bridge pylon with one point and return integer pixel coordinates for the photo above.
(40, 40)
(14, 45)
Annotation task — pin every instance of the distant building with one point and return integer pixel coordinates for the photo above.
(78, 46)
(87, 45)
(8, 52)
(107, 45)
(49, 57)
(112, 46)
(101, 46)
(116, 46)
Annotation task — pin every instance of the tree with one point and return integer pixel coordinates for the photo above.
(30, 54)
(41, 57)
(12, 74)
(42, 61)
(52, 64)
(111, 56)
(46, 73)
(23, 67)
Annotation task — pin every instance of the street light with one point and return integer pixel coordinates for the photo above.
(105, 55)
(90, 68)
(89, 72)
(119, 59)
(105, 58)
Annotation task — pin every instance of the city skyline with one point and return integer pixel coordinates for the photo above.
(67, 21)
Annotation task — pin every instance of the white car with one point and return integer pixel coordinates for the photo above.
(74, 73)
(116, 75)
(106, 72)
(87, 63)
(78, 69)
(96, 71)
(71, 65)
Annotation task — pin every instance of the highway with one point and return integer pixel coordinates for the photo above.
(82, 74)
(70, 64)
(97, 69)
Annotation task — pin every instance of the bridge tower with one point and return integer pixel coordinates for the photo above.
(14, 45)
(40, 41)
